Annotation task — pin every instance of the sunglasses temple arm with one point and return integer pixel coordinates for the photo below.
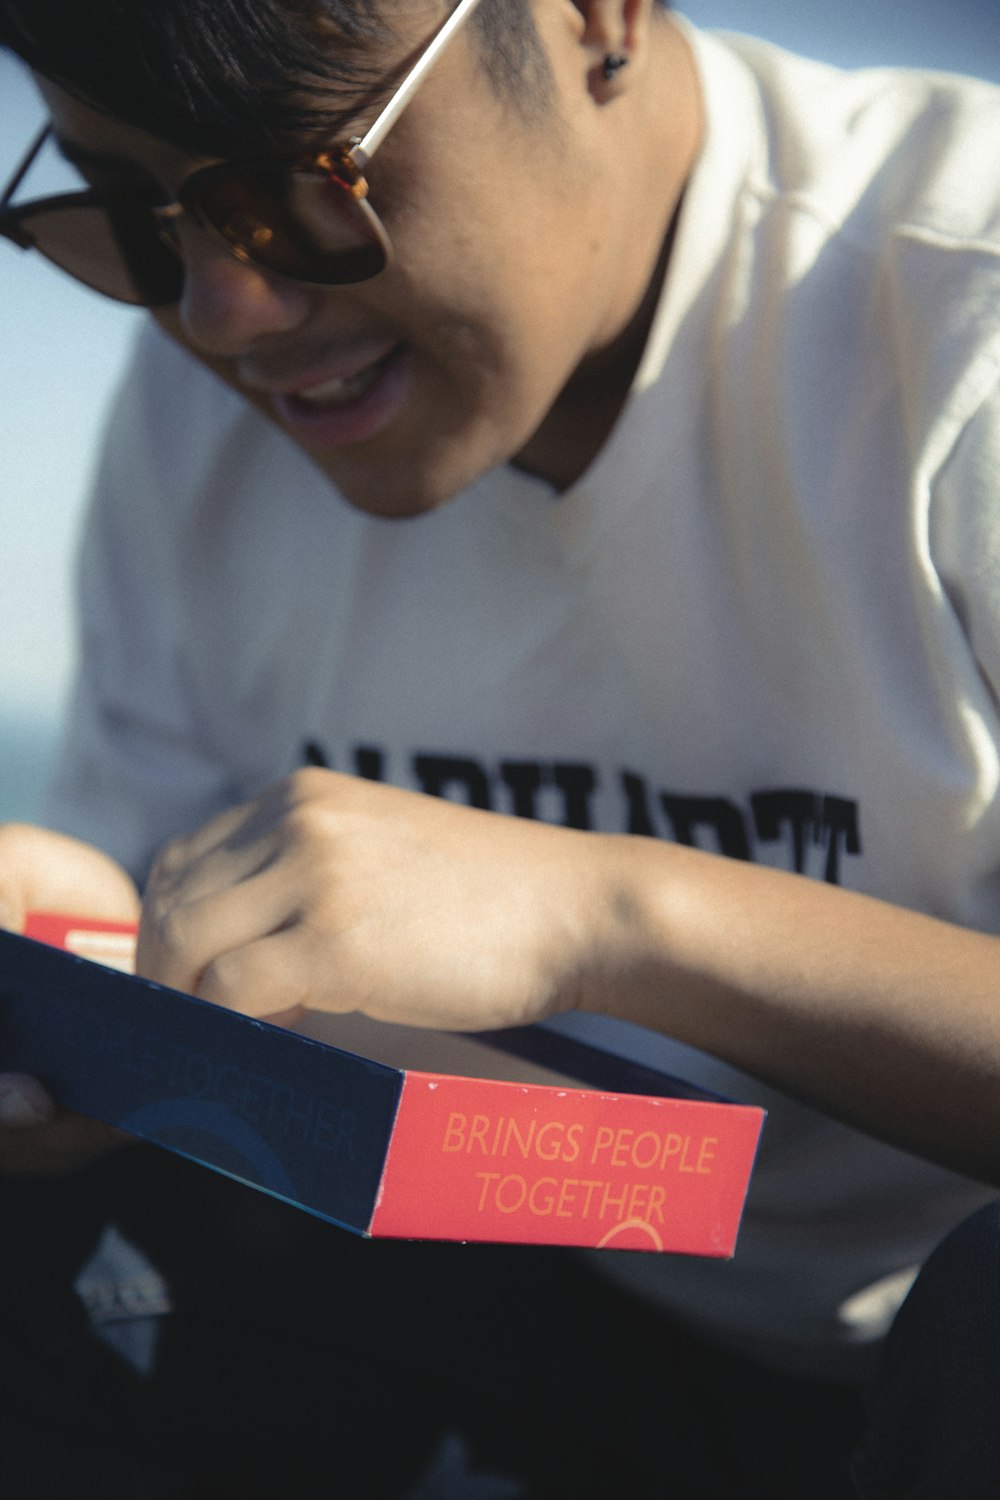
(22, 170)
(362, 153)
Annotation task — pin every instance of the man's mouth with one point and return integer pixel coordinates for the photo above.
(346, 408)
(342, 389)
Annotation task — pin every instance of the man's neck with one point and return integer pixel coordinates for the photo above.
(665, 125)
(583, 416)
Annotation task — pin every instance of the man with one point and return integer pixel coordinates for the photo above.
(659, 378)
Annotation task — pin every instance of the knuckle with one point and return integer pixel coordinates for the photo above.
(167, 863)
(312, 826)
(169, 927)
(228, 981)
(309, 786)
(231, 979)
(252, 984)
(308, 781)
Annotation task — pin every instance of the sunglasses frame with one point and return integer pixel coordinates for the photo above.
(342, 166)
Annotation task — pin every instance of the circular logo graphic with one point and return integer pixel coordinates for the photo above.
(212, 1134)
(632, 1234)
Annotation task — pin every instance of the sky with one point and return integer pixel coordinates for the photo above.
(62, 348)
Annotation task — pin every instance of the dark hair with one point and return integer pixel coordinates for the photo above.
(237, 76)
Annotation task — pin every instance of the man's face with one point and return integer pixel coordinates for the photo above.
(516, 260)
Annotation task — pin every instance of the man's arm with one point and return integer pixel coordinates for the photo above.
(341, 895)
(884, 1018)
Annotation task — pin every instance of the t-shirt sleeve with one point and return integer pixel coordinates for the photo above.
(133, 769)
(965, 542)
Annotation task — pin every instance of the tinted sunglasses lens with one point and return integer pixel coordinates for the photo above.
(118, 250)
(302, 225)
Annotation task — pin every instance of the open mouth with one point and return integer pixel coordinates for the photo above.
(347, 408)
(343, 389)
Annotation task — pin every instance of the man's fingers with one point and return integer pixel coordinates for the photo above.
(23, 1102)
(63, 1144)
(178, 941)
(39, 1140)
(45, 871)
(273, 978)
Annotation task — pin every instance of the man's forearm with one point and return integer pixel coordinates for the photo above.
(887, 1019)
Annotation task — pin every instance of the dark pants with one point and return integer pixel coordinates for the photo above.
(298, 1361)
(934, 1432)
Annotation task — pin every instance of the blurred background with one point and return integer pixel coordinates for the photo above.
(62, 349)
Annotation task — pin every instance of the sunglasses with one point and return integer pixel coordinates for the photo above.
(305, 221)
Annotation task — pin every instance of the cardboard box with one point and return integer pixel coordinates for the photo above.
(497, 1141)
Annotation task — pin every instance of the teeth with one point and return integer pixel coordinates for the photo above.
(340, 390)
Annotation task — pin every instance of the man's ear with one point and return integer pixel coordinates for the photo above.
(615, 33)
(614, 26)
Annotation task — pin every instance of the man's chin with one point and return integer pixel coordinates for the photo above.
(393, 492)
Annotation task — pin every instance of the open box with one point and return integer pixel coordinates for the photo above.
(388, 1131)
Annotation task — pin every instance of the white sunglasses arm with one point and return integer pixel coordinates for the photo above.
(362, 153)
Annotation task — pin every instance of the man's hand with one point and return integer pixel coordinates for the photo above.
(39, 1140)
(335, 894)
(40, 870)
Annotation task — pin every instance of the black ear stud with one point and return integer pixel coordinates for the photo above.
(612, 63)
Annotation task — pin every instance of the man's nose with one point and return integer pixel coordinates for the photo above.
(227, 305)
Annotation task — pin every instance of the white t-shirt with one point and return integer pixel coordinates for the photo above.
(766, 620)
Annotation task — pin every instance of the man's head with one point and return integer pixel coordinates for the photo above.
(526, 190)
(233, 78)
